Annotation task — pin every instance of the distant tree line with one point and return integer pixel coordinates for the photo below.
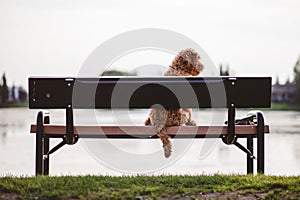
(224, 72)
(117, 73)
(3, 90)
(11, 95)
(297, 81)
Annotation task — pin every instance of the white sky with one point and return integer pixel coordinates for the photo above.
(54, 37)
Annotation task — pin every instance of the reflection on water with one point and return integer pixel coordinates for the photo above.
(17, 146)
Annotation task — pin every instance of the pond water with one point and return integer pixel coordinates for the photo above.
(209, 156)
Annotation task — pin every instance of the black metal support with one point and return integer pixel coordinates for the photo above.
(70, 139)
(42, 144)
(260, 143)
(46, 160)
(231, 124)
(39, 144)
(249, 158)
(54, 149)
(244, 149)
(230, 137)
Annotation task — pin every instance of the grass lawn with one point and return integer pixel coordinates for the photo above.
(284, 106)
(15, 105)
(151, 187)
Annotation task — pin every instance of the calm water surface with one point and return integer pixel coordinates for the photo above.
(17, 146)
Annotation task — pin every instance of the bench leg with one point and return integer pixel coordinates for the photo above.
(42, 145)
(39, 145)
(46, 147)
(249, 159)
(260, 143)
(47, 159)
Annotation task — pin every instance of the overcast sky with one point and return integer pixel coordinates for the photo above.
(54, 37)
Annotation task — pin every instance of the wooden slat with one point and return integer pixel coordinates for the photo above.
(147, 130)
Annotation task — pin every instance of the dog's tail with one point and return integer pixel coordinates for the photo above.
(167, 145)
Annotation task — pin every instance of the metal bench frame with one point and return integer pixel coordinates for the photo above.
(62, 93)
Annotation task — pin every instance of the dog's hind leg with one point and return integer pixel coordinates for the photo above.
(158, 118)
(167, 145)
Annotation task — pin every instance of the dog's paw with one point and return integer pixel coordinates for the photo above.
(191, 123)
(168, 150)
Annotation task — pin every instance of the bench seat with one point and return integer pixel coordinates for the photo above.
(85, 131)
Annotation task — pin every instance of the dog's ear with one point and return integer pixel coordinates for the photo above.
(182, 60)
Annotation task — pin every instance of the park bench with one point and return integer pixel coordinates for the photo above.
(230, 93)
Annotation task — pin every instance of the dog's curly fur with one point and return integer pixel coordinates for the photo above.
(186, 63)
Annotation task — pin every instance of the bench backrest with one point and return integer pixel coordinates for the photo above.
(144, 92)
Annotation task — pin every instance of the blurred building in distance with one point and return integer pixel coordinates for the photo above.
(284, 93)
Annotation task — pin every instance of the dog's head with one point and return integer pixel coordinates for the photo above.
(187, 63)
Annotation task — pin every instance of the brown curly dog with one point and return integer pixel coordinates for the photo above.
(186, 63)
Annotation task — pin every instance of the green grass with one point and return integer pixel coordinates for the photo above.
(283, 107)
(15, 105)
(149, 187)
